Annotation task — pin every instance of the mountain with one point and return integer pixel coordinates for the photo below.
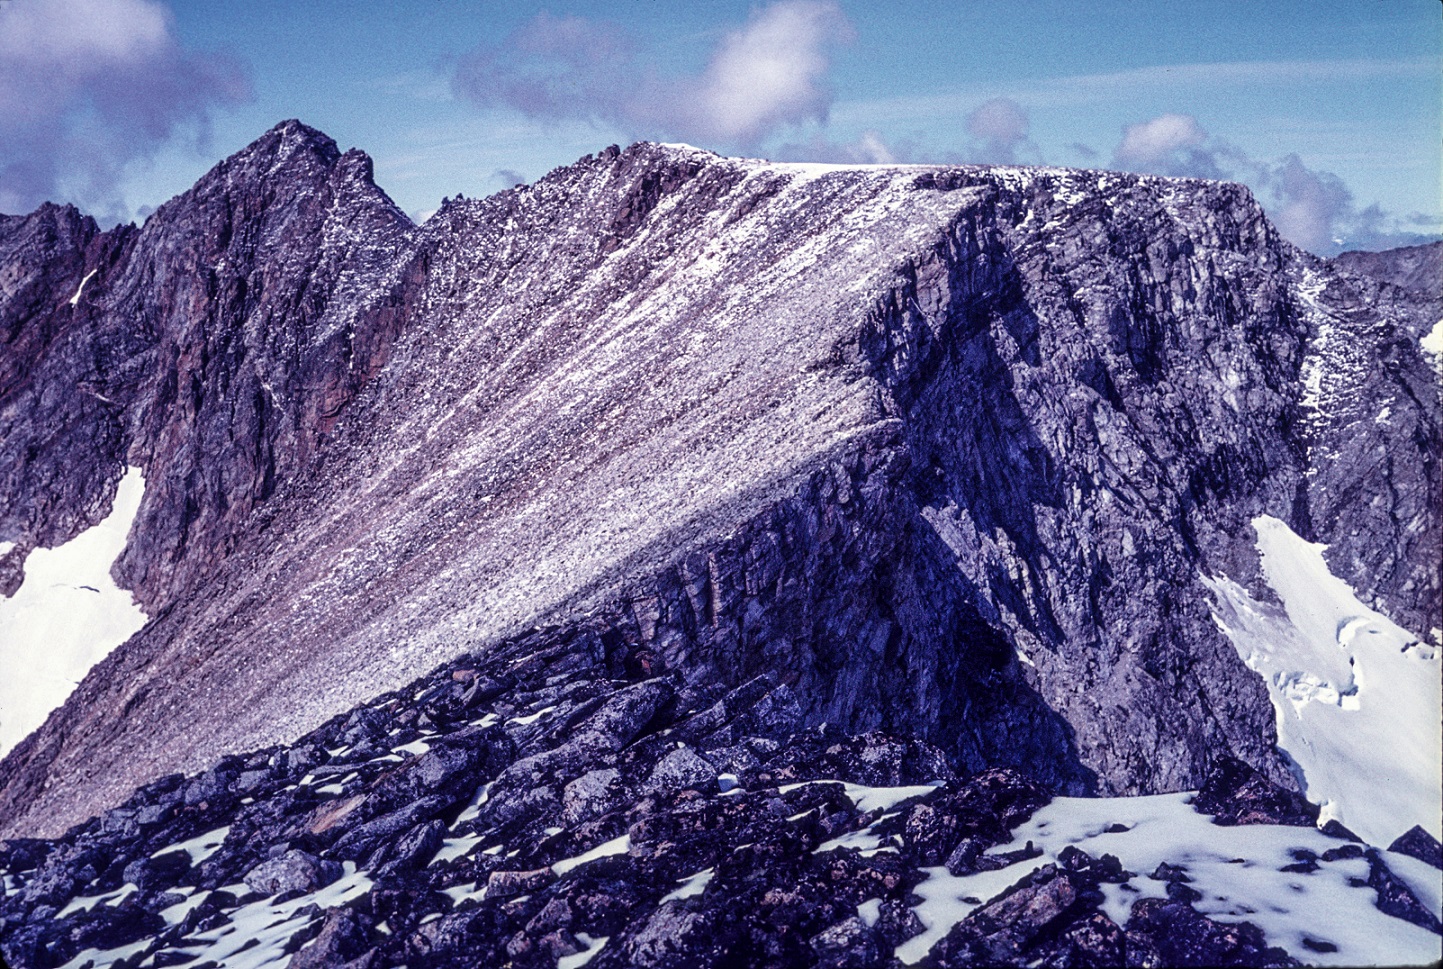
(1040, 483)
(1414, 268)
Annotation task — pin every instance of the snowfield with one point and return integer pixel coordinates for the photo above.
(65, 618)
(1356, 696)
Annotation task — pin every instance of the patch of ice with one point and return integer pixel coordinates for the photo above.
(1356, 697)
(66, 617)
(691, 885)
(417, 747)
(616, 846)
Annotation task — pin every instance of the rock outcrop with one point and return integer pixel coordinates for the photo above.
(946, 451)
(567, 794)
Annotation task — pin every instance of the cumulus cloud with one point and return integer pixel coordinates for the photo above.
(90, 86)
(1170, 144)
(769, 74)
(1313, 209)
(1312, 206)
(1000, 126)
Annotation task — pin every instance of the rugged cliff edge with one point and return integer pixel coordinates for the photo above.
(950, 451)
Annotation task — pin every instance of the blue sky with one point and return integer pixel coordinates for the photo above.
(1329, 110)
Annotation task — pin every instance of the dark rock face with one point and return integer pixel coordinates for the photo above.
(214, 348)
(927, 466)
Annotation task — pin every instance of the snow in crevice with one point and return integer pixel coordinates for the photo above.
(1356, 696)
(690, 886)
(199, 848)
(67, 615)
(616, 846)
(578, 959)
(75, 300)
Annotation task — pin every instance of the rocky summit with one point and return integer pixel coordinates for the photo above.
(692, 561)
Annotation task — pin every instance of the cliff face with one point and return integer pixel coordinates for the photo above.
(213, 348)
(949, 452)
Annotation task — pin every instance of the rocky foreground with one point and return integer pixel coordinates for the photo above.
(567, 802)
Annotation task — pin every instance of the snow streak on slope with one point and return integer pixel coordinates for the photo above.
(65, 618)
(1356, 696)
(1239, 870)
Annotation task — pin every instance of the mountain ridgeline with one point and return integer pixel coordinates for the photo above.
(947, 450)
(947, 455)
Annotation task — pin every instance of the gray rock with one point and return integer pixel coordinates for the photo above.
(681, 769)
(294, 871)
(590, 795)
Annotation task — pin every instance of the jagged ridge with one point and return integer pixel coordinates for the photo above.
(948, 448)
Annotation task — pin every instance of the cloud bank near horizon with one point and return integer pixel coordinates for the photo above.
(88, 87)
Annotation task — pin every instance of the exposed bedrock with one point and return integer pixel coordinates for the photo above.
(948, 451)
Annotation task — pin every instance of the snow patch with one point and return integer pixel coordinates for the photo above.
(176, 914)
(201, 847)
(1237, 870)
(66, 617)
(75, 300)
(1356, 696)
(692, 885)
(452, 848)
(1432, 343)
(616, 846)
(579, 959)
(258, 933)
(88, 902)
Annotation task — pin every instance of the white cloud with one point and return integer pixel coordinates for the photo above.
(1001, 125)
(761, 78)
(770, 73)
(64, 34)
(1153, 142)
(867, 149)
(1312, 205)
(1311, 208)
(89, 86)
